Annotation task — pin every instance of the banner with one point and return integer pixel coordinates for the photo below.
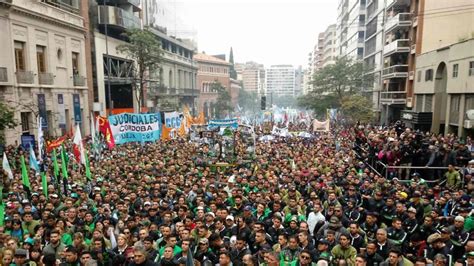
(61, 112)
(223, 123)
(281, 132)
(77, 108)
(320, 126)
(129, 127)
(42, 110)
(173, 119)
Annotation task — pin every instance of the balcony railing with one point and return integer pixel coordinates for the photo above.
(163, 91)
(393, 97)
(25, 77)
(46, 78)
(398, 46)
(397, 71)
(397, 3)
(72, 6)
(3, 74)
(134, 3)
(115, 16)
(397, 21)
(79, 81)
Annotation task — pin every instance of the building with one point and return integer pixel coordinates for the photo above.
(400, 48)
(444, 74)
(211, 70)
(328, 54)
(43, 66)
(317, 57)
(253, 77)
(350, 28)
(299, 81)
(280, 80)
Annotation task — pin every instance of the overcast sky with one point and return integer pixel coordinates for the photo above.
(265, 31)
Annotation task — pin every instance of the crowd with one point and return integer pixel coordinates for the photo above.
(319, 201)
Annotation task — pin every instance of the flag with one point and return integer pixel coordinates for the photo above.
(104, 128)
(63, 163)
(33, 162)
(55, 164)
(88, 170)
(51, 145)
(24, 174)
(93, 133)
(6, 166)
(189, 258)
(79, 147)
(44, 184)
(40, 139)
(2, 213)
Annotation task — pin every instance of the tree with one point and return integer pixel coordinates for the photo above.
(341, 78)
(7, 120)
(145, 49)
(223, 104)
(319, 103)
(357, 108)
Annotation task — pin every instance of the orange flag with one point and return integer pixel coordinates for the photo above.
(104, 127)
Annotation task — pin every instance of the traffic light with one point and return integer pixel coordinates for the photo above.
(263, 103)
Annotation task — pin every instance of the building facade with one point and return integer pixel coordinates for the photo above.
(253, 77)
(211, 70)
(43, 66)
(329, 46)
(280, 80)
(350, 28)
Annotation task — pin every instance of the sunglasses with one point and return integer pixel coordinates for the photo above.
(305, 257)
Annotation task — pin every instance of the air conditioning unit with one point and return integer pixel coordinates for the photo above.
(411, 75)
(470, 114)
(468, 124)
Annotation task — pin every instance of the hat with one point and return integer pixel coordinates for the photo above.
(25, 201)
(459, 218)
(334, 221)
(471, 162)
(294, 219)
(54, 196)
(147, 203)
(30, 241)
(411, 209)
(35, 194)
(445, 230)
(21, 252)
(247, 208)
(403, 195)
(200, 208)
(96, 188)
(434, 237)
(74, 195)
(203, 241)
(323, 241)
(211, 214)
(230, 217)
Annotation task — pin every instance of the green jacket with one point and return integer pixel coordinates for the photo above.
(349, 254)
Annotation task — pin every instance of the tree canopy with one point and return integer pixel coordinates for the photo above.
(7, 120)
(223, 104)
(358, 108)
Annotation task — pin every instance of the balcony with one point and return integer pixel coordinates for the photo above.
(393, 97)
(134, 3)
(25, 77)
(398, 21)
(163, 91)
(3, 74)
(396, 71)
(117, 17)
(46, 78)
(72, 6)
(177, 58)
(397, 3)
(79, 81)
(398, 46)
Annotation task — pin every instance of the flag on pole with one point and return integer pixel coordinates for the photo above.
(88, 170)
(2, 213)
(63, 163)
(44, 184)
(40, 139)
(78, 146)
(24, 174)
(6, 166)
(33, 162)
(55, 164)
(93, 132)
(104, 127)
(51, 145)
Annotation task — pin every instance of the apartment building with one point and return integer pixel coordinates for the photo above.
(43, 66)
(350, 28)
(253, 77)
(280, 80)
(329, 46)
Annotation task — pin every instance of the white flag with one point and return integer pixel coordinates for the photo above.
(6, 166)
(93, 133)
(78, 147)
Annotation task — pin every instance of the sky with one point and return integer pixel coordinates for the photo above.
(265, 31)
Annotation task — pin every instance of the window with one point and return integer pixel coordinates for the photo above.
(25, 121)
(471, 68)
(40, 58)
(20, 56)
(429, 75)
(75, 63)
(455, 70)
(418, 76)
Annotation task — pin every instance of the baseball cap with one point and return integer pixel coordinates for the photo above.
(204, 241)
(211, 214)
(21, 252)
(247, 208)
(459, 218)
(411, 209)
(230, 217)
(323, 241)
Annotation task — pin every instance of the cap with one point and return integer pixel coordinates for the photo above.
(230, 217)
(470, 254)
(403, 195)
(25, 201)
(411, 209)
(445, 230)
(30, 241)
(294, 218)
(200, 208)
(323, 241)
(21, 252)
(434, 237)
(471, 162)
(247, 208)
(459, 218)
(54, 196)
(147, 203)
(203, 241)
(211, 214)
(334, 220)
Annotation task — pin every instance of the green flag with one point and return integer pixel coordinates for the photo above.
(55, 164)
(63, 163)
(88, 170)
(24, 174)
(44, 184)
(2, 213)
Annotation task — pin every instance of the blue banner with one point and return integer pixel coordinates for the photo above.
(42, 110)
(77, 108)
(129, 127)
(223, 123)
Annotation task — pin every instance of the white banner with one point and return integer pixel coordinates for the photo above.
(173, 119)
(320, 126)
